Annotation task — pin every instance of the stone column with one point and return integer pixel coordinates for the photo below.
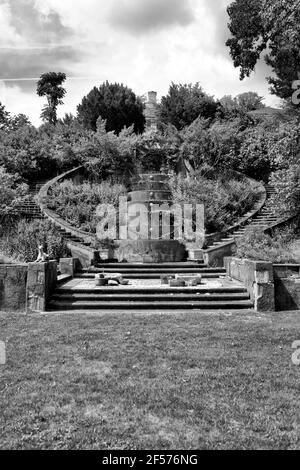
(41, 282)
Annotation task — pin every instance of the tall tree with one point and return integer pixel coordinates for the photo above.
(50, 85)
(4, 116)
(185, 103)
(263, 25)
(116, 104)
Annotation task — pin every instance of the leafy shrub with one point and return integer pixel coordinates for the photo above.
(12, 193)
(257, 245)
(225, 200)
(286, 182)
(77, 204)
(21, 242)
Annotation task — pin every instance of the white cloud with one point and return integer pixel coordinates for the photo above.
(86, 42)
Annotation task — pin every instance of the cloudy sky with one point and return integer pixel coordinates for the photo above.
(144, 44)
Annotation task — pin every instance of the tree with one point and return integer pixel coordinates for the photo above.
(115, 103)
(249, 101)
(12, 193)
(262, 25)
(4, 116)
(185, 103)
(50, 85)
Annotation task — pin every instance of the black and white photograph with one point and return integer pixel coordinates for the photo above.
(149, 228)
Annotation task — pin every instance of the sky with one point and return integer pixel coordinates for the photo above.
(144, 44)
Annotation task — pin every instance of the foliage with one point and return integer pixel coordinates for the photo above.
(257, 245)
(225, 199)
(27, 151)
(116, 104)
(260, 25)
(286, 183)
(21, 242)
(12, 192)
(77, 204)
(185, 103)
(50, 85)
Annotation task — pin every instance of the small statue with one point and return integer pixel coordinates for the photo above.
(42, 256)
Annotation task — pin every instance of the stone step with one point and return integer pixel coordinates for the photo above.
(149, 275)
(146, 290)
(145, 270)
(182, 265)
(140, 305)
(144, 297)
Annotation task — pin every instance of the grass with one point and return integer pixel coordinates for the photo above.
(184, 381)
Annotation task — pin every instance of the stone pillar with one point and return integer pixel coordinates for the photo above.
(41, 282)
(68, 266)
(257, 276)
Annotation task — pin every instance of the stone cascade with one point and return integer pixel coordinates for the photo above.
(153, 239)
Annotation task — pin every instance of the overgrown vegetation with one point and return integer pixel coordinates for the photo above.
(279, 248)
(20, 242)
(225, 199)
(77, 203)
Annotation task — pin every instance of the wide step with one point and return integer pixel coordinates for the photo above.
(138, 275)
(153, 305)
(149, 297)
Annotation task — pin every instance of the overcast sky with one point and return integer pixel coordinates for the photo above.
(144, 44)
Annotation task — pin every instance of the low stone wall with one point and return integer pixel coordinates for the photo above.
(257, 277)
(27, 287)
(86, 256)
(41, 281)
(214, 257)
(287, 286)
(13, 280)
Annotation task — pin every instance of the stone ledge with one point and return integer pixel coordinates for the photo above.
(258, 278)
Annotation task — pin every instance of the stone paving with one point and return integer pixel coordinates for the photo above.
(150, 283)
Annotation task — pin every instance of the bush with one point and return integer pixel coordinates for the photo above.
(225, 200)
(257, 245)
(77, 204)
(21, 242)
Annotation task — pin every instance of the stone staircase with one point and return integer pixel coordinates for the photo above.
(264, 219)
(145, 291)
(29, 209)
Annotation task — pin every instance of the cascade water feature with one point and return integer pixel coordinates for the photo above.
(151, 239)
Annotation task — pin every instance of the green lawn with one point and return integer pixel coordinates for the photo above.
(185, 381)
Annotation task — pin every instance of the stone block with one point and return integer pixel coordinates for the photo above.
(41, 282)
(195, 255)
(258, 278)
(13, 280)
(195, 278)
(176, 283)
(68, 266)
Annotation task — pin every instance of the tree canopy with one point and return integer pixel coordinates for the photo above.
(185, 103)
(116, 104)
(50, 85)
(272, 26)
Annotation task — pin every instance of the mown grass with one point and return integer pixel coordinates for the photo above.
(185, 381)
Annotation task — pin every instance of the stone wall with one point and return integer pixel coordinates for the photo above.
(41, 281)
(287, 286)
(214, 257)
(257, 277)
(27, 287)
(13, 280)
